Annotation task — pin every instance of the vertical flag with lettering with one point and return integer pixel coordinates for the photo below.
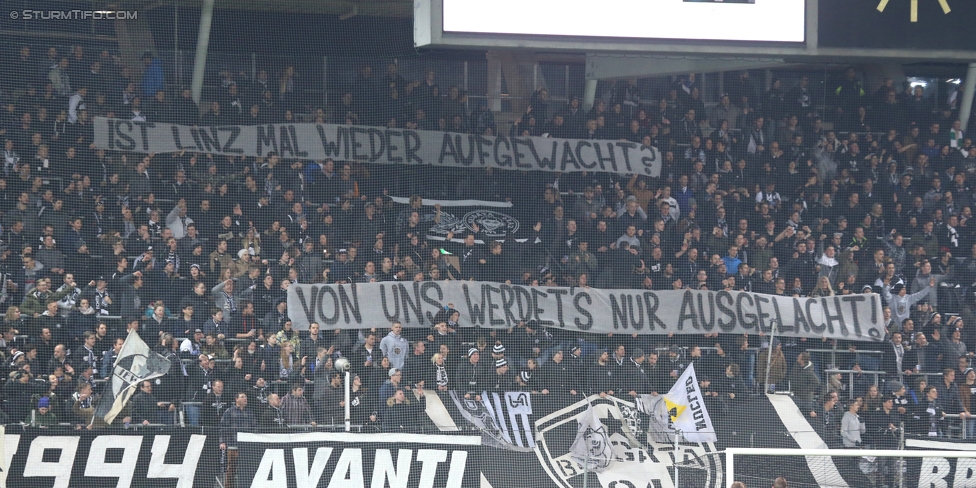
(686, 409)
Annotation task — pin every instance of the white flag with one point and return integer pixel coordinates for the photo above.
(136, 363)
(592, 448)
(686, 409)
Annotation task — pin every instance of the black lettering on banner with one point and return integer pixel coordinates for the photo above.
(295, 143)
(687, 311)
(508, 302)
(266, 137)
(234, 131)
(577, 298)
(411, 144)
(626, 147)
(350, 303)
(853, 299)
(492, 305)
(818, 328)
(481, 143)
(285, 146)
(743, 314)
(124, 141)
(648, 160)
(706, 325)
(617, 311)
(466, 160)
(391, 148)
(837, 317)
(558, 293)
(144, 133)
(725, 302)
(209, 138)
(635, 308)
(568, 157)
(377, 144)
(506, 160)
(177, 141)
(431, 285)
(395, 301)
(874, 332)
(524, 300)
(579, 154)
(476, 311)
(611, 156)
(519, 155)
(783, 326)
(543, 162)
(539, 313)
(332, 149)
(357, 144)
(308, 304)
(761, 316)
(799, 317)
(447, 149)
(411, 302)
(336, 307)
(653, 321)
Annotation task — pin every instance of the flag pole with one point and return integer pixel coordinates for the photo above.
(769, 352)
(677, 442)
(586, 464)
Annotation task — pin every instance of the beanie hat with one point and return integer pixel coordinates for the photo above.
(526, 376)
(895, 385)
(472, 351)
(501, 362)
(44, 402)
(498, 349)
(393, 371)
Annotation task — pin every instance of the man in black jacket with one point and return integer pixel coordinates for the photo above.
(198, 385)
(559, 375)
(273, 419)
(214, 405)
(147, 410)
(471, 375)
(236, 419)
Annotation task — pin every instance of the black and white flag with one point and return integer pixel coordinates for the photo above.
(503, 418)
(592, 448)
(494, 220)
(136, 363)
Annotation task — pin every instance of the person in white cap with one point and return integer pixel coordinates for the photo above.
(502, 381)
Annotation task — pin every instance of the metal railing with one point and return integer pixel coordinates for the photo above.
(850, 377)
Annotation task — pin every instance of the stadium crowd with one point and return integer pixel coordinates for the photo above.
(779, 192)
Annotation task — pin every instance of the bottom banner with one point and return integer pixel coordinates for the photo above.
(358, 460)
(940, 471)
(173, 458)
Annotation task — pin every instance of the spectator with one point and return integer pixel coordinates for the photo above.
(235, 420)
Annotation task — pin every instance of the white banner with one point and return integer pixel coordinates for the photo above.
(501, 306)
(383, 146)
